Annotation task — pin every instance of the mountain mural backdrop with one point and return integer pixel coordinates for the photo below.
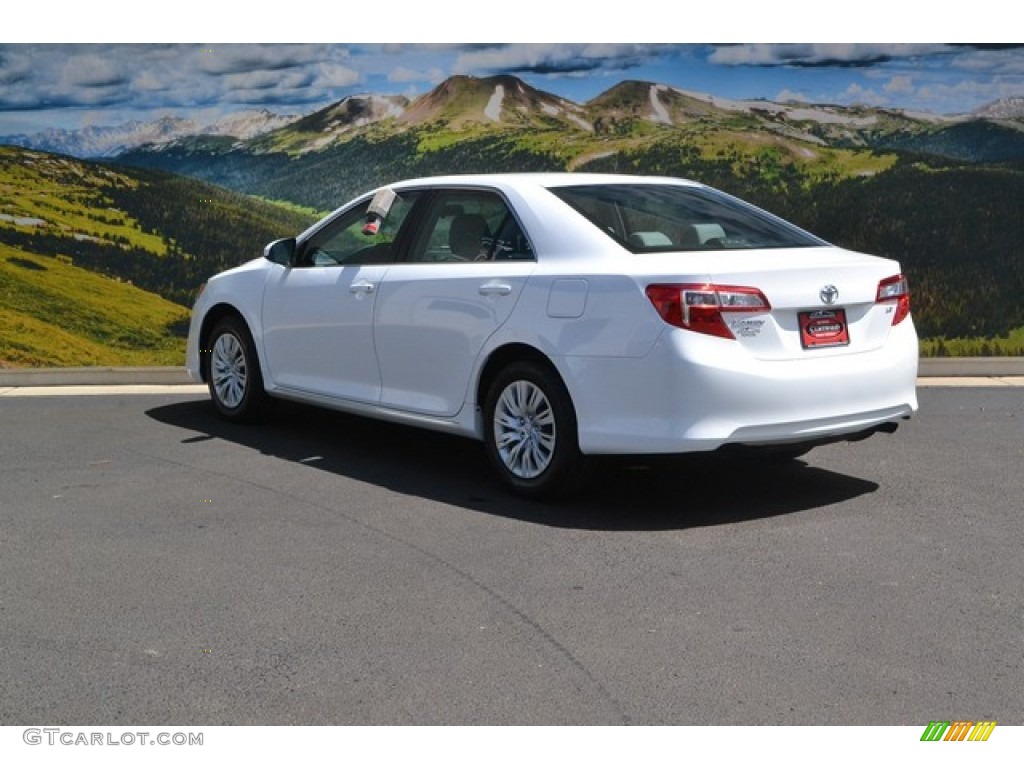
(943, 194)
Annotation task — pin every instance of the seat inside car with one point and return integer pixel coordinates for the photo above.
(469, 236)
(651, 239)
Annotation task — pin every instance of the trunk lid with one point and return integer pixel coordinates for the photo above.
(823, 300)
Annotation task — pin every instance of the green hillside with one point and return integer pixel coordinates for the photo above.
(60, 195)
(99, 264)
(957, 231)
(55, 314)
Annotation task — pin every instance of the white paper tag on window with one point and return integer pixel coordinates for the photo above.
(382, 202)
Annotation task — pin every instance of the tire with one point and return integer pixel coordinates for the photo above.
(530, 431)
(233, 371)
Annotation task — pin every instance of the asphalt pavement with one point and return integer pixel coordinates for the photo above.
(160, 566)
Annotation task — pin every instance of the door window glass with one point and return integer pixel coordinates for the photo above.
(470, 225)
(344, 241)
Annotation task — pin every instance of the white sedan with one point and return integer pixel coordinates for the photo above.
(561, 316)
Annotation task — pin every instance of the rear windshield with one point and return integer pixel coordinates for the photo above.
(649, 218)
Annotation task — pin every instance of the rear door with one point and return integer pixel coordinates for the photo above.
(464, 273)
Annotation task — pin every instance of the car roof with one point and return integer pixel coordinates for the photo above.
(532, 181)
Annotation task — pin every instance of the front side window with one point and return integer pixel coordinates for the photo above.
(649, 218)
(470, 225)
(344, 240)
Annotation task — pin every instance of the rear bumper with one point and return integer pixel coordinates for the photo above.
(697, 393)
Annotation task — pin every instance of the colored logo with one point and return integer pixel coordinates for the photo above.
(958, 730)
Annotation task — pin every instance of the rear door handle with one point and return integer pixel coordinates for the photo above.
(494, 288)
(361, 286)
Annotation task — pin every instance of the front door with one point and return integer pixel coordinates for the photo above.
(318, 314)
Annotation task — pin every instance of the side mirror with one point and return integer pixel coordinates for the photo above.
(281, 251)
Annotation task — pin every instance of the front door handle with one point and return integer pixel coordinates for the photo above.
(494, 288)
(361, 286)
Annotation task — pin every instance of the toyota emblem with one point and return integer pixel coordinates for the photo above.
(829, 294)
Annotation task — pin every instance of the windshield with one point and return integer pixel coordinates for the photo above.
(649, 218)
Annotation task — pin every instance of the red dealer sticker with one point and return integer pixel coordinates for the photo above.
(824, 328)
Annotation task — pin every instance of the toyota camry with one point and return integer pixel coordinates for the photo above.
(556, 317)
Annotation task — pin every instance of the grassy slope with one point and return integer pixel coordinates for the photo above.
(55, 314)
(67, 196)
(75, 235)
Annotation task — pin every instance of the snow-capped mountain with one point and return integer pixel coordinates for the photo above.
(499, 100)
(247, 125)
(630, 108)
(1011, 108)
(112, 140)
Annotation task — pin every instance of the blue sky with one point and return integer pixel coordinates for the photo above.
(70, 84)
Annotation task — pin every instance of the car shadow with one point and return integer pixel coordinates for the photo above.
(620, 493)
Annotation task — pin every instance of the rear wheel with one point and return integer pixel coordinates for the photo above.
(530, 431)
(234, 378)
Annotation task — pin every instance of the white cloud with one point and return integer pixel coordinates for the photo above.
(331, 74)
(899, 84)
(231, 59)
(407, 75)
(149, 81)
(855, 94)
(788, 95)
(15, 67)
(819, 54)
(93, 71)
(1003, 62)
(258, 79)
(556, 57)
(943, 95)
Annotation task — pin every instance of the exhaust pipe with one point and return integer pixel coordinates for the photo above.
(888, 428)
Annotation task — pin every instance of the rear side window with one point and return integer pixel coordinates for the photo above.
(470, 225)
(652, 218)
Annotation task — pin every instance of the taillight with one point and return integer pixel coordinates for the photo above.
(699, 308)
(896, 289)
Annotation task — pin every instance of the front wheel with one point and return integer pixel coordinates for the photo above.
(235, 381)
(530, 431)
